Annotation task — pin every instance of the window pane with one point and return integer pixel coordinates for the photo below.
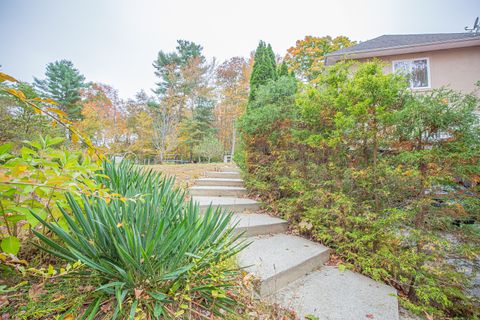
(402, 67)
(419, 74)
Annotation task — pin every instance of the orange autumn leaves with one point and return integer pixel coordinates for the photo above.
(48, 108)
(232, 80)
(102, 117)
(306, 58)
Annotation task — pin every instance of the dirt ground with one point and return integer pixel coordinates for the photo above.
(185, 173)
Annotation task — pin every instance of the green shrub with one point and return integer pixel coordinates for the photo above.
(358, 162)
(154, 251)
(35, 177)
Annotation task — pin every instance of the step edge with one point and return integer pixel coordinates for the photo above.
(223, 172)
(269, 286)
(252, 231)
(219, 179)
(217, 193)
(229, 204)
(219, 188)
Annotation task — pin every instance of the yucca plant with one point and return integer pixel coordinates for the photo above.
(154, 251)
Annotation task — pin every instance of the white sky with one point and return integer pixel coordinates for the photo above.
(116, 41)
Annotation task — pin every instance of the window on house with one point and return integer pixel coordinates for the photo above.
(416, 70)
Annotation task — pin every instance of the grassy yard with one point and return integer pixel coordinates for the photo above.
(185, 173)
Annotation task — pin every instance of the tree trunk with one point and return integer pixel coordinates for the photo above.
(233, 141)
(375, 157)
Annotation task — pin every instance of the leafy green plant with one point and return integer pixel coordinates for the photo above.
(47, 108)
(208, 149)
(36, 176)
(19, 122)
(33, 179)
(154, 252)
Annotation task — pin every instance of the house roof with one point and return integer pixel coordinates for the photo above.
(391, 41)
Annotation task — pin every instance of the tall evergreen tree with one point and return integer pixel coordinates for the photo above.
(200, 126)
(168, 64)
(272, 60)
(187, 50)
(282, 70)
(264, 68)
(183, 75)
(203, 115)
(62, 84)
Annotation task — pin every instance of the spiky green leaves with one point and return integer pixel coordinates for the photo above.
(154, 245)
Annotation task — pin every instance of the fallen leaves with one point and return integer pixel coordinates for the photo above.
(138, 293)
(87, 288)
(58, 297)
(4, 302)
(105, 308)
(36, 291)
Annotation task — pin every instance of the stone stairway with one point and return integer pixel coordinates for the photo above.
(290, 268)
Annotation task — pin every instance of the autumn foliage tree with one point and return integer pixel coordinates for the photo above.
(139, 124)
(306, 58)
(184, 84)
(181, 75)
(102, 116)
(19, 122)
(232, 82)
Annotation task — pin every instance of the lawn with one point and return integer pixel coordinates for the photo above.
(185, 173)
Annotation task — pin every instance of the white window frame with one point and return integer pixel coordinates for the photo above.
(428, 72)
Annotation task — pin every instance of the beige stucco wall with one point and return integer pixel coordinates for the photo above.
(457, 68)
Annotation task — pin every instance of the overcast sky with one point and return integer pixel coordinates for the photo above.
(115, 41)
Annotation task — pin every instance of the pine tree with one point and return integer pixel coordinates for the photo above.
(181, 74)
(264, 68)
(62, 84)
(200, 126)
(203, 115)
(272, 60)
(282, 70)
(168, 64)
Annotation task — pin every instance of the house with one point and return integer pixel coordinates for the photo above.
(430, 60)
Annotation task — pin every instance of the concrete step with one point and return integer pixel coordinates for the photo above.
(217, 191)
(254, 224)
(280, 259)
(331, 294)
(219, 182)
(237, 205)
(222, 174)
(229, 169)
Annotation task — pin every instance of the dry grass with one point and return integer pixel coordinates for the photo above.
(185, 173)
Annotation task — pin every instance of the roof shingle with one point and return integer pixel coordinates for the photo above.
(400, 40)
